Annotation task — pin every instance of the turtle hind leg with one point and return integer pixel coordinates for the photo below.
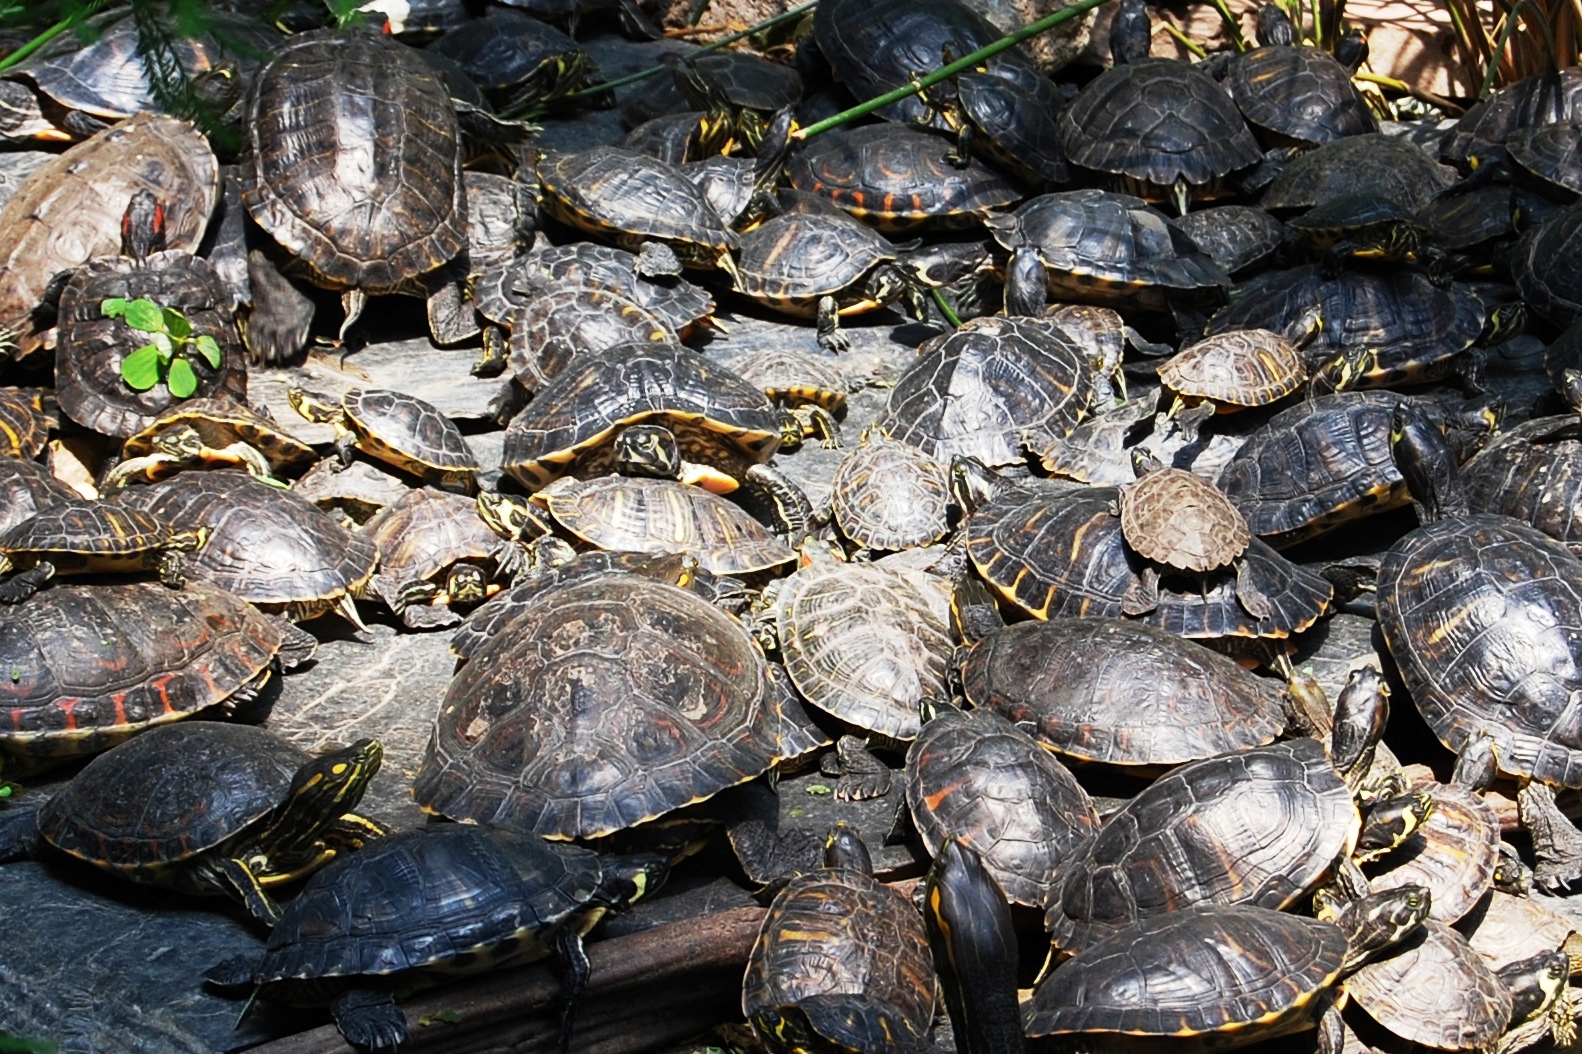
(779, 498)
(24, 584)
(829, 334)
(862, 776)
(1556, 841)
(369, 1018)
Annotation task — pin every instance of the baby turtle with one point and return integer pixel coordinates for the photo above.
(74, 537)
(888, 495)
(1230, 371)
(436, 555)
(812, 386)
(1435, 991)
(398, 429)
(223, 423)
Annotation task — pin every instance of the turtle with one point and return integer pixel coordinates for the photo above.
(1057, 551)
(1295, 96)
(682, 138)
(1435, 991)
(78, 536)
(224, 424)
(812, 386)
(1539, 99)
(975, 779)
(1247, 972)
(981, 389)
(182, 447)
(1236, 237)
(1492, 580)
(745, 86)
(157, 655)
(213, 809)
(1117, 692)
(630, 199)
(697, 708)
(898, 179)
(1531, 472)
(352, 496)
(888, 495)
(69, 211)
(1544, 266)
(1388, 166)
(95, 347)
(1230, 371)
(24, 431)
(823, 265)
(1367, 225)
(974, 944)
(1549, 152)
(376, 224)
(1504, 928)
(436, 555)
(266, 545)
(443, 900)
(841, 962)
(1105, 248)
(865, 644)
(1476, 226)
(1157, 127)
(1097, 451)
(519, 61)
(25, 488)
(398, 429)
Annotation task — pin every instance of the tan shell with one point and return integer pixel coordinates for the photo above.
(1434, 990)
(1452, 855)
(1173, 517)
(1244, 367)
(889, 495)
(1506, 929)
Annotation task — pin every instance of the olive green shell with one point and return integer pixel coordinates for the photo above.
(407, 432)
(865, 643)
(220, 423)
(630, 514)
(23, 428)
(611, 701)
(890, 495)
(1386, 165)
(1433, 989)
(1452, 855)
(1244, 367)
(1174, 517)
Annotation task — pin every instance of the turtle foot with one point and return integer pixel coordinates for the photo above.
(24, 584)
(235, 972)
(369, 1019)
(862, 776)
(1556, 842)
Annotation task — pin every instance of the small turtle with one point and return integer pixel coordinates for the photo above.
(841, 963)
(518, 61)
(1229, 371)
(223, 425)
(23, 428)
(436, 555)
(1550, 153)
(1293, 95)
(1532, 472)
(813, 387)
(1237, 237)
(1366, 225)
(181, 447)
(398, 429)
(1544, 264)
(746, 87)
(213, 809)
(441, 900)
(1387, 166)
(77, 536)
(1434, 990)
(1097, 451)
(888, 495)
(353, 495)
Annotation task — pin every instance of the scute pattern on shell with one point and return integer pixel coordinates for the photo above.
(1452, 855)
(1177, 518)
(1433, 989)
(890, 495)
(1245, 367)
(411, 427)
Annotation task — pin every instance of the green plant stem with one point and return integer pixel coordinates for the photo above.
(756, 27)
(1185, 41)
(966, 62)
(20, 54)
(1454, 109)
(950, 316)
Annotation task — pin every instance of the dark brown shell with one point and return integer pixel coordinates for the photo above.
(355, 159)
(23, 428)
(1176, 518)
(426, 532)
(26, 487)
(408, 432)
(565, 321)
(79, 526)
(889, 495)
(221, 422)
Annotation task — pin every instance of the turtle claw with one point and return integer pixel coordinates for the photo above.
(369, 1019)
(862, 776)
(24, 584)
(1557, 843)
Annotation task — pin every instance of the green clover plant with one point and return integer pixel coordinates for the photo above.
(163, 358)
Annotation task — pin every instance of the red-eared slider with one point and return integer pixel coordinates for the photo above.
(823, 265)
(1435, 991)
(445, 900)
(1481, 614)
(1104, 248)
(813, 386)
(565, 320)
(398, 429)
(1365, 225)
(889, 495)
(25, 488)
(1235, 974)
(1387, 166)
(746, 88)
(1236, 237)
(94, 347)
(221, 423)
(1160, 127)
(354, 163)
(519, 61)
(212, 809)
(979, 780)
(69, 211)
(1543, 98)
(157, 655)
(1544, 264)
(1062, 553)
(611, 701)
(435, 555)
(1550, 153)
(23, 427)
(977, 390)
(1295, 96)
(866, 644)
(631, 199)
(76, 536)
(1230, 371)
(1532, 472)
(1453, 854)
(897, 178)
(841, 963)
(1120, 693)
(266, 545)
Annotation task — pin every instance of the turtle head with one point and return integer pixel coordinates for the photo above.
(1274, 27)
(1351, 50)
(511, 518)
(624, 880)
(1131, 34)
(1380, 920)
(180, 443)
(844, 847)
(322, 791)
(314, 406)
(1026, 283)
(1361, 713)
(1535, 983)
(466, 584)
(1391, 822)
(1424, 459)
(1144, 461)
(648, 450)
(972, 483)
(142, 226)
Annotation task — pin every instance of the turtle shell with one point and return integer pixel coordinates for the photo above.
(790, 261)
(794, 377)
(1157, 121)
(980, 780)
(23, 428)
(70, 531)
(1065, 555)
(1234, 236)
(354, 160)
(1461, 603)
(1544, 264)
(1549, 152)
(630, 514)
(446, 895)
(170, 793)
(1533, 473)
(890, 495)
(26, 487)
(69, 210)
(865, 643)
(565, 321)
(426, 532)
(567, 427)
(1117, 692)
(1504, 929)
(679, 303)
(1434, 990)
(897, 178)
(976, 390)
(95, 664)
(265, 545)
(1300, 94)
(221, 422)
(1204, 969)
(1452, 855)
(1260, 827)
(630, 198)
(1384, 166)
(1179, 519)
(1243, 367)
(1540, 99)
(1098, 451)
(516, 58)
(611, 701)
(851, 956)
(407, 432)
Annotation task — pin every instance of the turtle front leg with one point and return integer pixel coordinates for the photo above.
(862, 776)
(1556, 842)
(821, 423)
(574, 972)
(368, 1017)
(1253, 599)
(24, 584)
(1142, 596)
(830, 337)
(788, 505)
(236, 877)
(495, 355)
(345, 447)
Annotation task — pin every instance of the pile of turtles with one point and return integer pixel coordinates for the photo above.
(1001, 463)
